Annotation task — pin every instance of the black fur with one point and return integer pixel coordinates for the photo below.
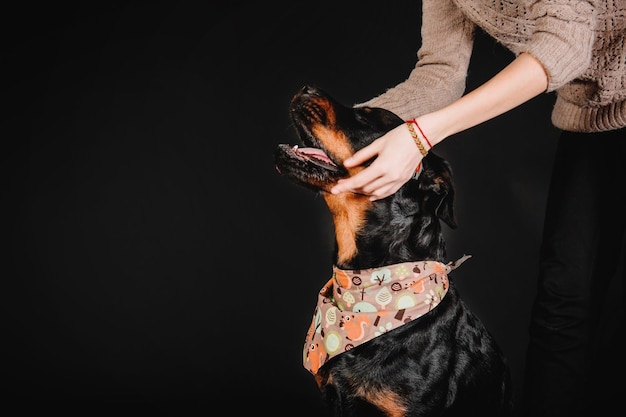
(445, 363)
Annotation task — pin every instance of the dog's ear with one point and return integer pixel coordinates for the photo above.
(437, 178)
(445, 209)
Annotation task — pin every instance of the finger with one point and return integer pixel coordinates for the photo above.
(383, 192)
(379, 188)
(356, 183)
(363, 155)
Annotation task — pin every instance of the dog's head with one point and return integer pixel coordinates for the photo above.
(385, 231)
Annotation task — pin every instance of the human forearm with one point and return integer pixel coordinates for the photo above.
(396, 155)
(520, 81)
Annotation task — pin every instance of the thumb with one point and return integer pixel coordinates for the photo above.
(363, 155)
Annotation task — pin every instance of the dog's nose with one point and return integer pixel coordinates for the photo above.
(304, 92)
(309, 90)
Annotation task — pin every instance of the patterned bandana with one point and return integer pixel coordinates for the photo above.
(356, 306)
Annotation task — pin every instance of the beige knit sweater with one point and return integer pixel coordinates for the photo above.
(581, 44)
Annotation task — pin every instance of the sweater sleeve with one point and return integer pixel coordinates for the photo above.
(440, 74)
(563, 39)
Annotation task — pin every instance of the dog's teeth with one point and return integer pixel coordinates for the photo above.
(295, 147)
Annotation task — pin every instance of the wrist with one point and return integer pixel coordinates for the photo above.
(432, 127)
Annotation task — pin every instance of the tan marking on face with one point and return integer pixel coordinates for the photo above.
(334, 142)
(348, 211)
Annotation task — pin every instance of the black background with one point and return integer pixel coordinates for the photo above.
(157, 259)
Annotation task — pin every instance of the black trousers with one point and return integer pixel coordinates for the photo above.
(576, 343)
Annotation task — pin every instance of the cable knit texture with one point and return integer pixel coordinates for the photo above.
(581, 45)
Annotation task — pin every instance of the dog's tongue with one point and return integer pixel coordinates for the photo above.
(314, 153)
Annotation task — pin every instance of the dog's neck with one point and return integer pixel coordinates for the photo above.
(369, 238)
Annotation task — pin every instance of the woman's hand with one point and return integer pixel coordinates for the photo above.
(397, 157)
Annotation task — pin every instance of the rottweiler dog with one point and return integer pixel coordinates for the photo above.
(390, 335)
